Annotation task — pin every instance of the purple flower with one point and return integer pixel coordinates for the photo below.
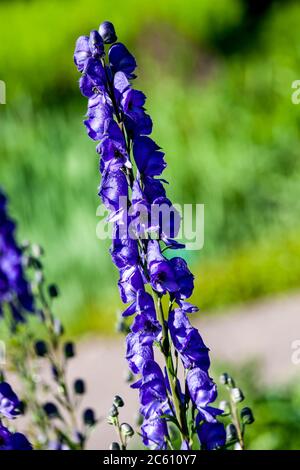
(9, 402)
(188, 341)
(155, 432)
(131, 280)
(137, 353)
(86, 47)
(148, 157)
(121, 60)
(161, 272)
(98, 111)
(13, 441)
(93, 80)
(107, 32)
(153, 188)
(145, 322)
(137, 122)
(166, 218)
(113, 187)
(212, 435)
(124, 252)
(14, 289)
(112, 148)
(96, 45)
(203, 391)
(153, 392)
(183, 276)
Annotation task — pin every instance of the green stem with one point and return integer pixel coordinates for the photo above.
(180, 414)
(236, 422)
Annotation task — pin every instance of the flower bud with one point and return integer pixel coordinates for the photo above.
(53, 291)
(114, 446)
(225, 407)
(89, 417)
(128, 376)
(237, 446)
(224, 378)
(113, 412)
(40, 348)
(231, 433)
(37, 250)
(237, 395)
(79, 387)
(96, 44)
(118, 402)
(107, 32)
(127, 430)
(69, 350)
(51, 410)
(247, 416)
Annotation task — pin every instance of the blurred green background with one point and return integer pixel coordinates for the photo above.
(218, 79)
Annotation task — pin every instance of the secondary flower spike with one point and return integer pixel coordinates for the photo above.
(154, 287)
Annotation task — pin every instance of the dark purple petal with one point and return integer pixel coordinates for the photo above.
(155, 432)
(96, 44)
(183, 276)
(202, 389)
(212, 435)
(82, 52)
(113, 187)
(121, 60)
(137, 354)
(9, 402)
(161, 273)
(130, 282)
(188, 341)
(148, 157)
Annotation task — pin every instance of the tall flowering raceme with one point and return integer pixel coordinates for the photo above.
(15, 292)
(55, 424)
(131, 165)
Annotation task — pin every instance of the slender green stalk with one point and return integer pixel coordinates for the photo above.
(179, 412)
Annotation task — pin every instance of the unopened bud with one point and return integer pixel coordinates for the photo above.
(127, 430)
(79, 387)
(114, 446)
(107, 32)
(118, 402)
(113, 412)
(53, 291)
(69, 350)
(247, 416)
(237, 395)
(231, 433)
(89, 417)
(40, 348)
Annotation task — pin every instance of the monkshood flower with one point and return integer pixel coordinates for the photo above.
(13, 441)
(9, 402)
(10, 409)
(15, 291)
(131, 167)
(212, 435)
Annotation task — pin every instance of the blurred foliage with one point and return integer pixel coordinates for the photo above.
(276, 410)
(218, 78)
